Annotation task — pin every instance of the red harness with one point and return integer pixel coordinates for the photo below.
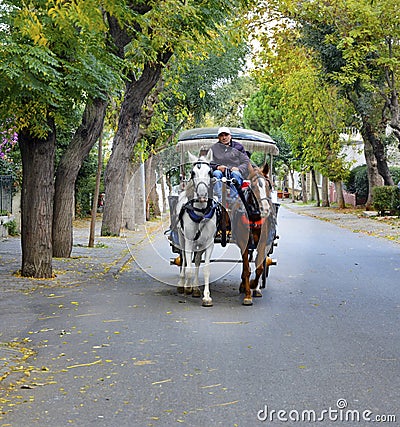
(252, 224)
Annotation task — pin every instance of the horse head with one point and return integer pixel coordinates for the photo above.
(260, 192)
(201, 176)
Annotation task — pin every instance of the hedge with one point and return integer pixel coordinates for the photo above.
(386, 199)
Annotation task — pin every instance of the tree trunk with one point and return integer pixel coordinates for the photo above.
(304, 188)
(67, 171)
(314, 182)
(123, 145)
(37, 203)
(152, 199)
(374, 178)
(125, 139)
(395, 116)
(325, 192)
(96, 192)
(139, 180)
(134, 201)
(339, 195)
(291, 171)
(392, 98)
(369, 134)
(163, 194)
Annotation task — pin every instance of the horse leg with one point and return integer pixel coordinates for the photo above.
(207, 300)
(242, 283)
(255, 283)
(188, 273)
(196, 291)
(181, 283)
(245, 285)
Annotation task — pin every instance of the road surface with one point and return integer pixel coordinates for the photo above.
(321, 346)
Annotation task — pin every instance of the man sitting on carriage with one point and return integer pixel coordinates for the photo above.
(230, 160)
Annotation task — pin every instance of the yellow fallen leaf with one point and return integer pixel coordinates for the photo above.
(231, 323)
(162, 381)
(226, 403)
(84, 364)
(144, 362)
(210, 386)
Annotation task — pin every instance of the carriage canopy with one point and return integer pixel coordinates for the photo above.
(197, 138)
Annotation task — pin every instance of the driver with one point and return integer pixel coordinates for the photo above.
(230, 160)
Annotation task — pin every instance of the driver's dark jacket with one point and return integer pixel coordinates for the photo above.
(232, 155)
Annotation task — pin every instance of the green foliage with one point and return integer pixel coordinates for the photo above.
(230, 100)
(357, 45)
(357, 182)
(262, 112)
(395, 172)
(386, 199)
(203, 84)
(11, 165)
(258, 158)
(85, 185)
(11, 227)
(52, 56)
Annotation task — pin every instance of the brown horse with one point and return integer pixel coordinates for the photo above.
(253, 223)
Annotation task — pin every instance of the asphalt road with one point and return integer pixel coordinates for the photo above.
(323, 341)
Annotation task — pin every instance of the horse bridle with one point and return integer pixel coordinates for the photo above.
(210, 174)
(261, 184)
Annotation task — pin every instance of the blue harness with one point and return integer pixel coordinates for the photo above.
(204, 213)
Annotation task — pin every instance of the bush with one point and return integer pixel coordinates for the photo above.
(11, 227)
(395, 172)
(386, 199)
(357, 183)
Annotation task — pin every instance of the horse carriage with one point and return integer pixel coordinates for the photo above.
(199, 220)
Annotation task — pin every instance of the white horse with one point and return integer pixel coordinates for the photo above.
(197, 226)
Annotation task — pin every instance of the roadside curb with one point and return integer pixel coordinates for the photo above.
(357, 222)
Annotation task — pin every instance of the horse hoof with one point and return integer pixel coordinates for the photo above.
(207, 303)
(188, 291)
(196, 293)
(257, 293)
(180, 289)
(247, 301)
